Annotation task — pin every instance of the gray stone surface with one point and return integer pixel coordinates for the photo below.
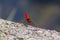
(18, 31)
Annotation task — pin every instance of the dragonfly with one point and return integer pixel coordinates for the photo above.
(29, 20)
(27, 17)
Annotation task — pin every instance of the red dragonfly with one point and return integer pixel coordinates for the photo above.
(27, 17)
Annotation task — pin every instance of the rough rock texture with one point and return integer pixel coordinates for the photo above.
(18, 31)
